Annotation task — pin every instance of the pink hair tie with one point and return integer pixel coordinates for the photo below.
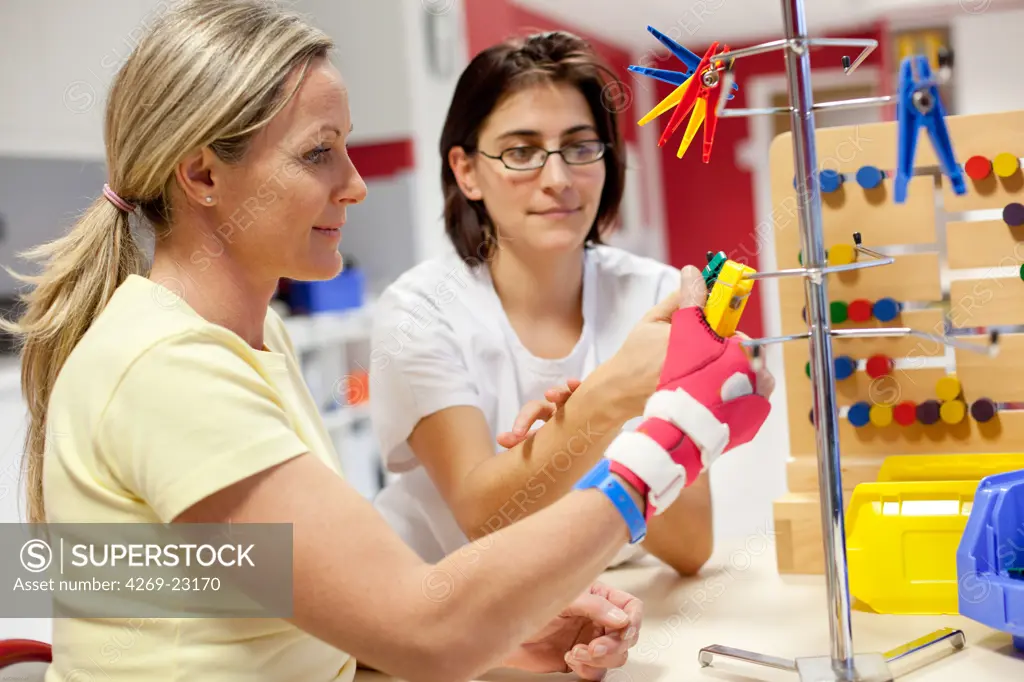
(112, 197)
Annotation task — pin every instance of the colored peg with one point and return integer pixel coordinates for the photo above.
(983, 410)
(886, 309)
(929, 411)
(859, 414)
(879, 366)
(842, 254)
(807, 369)
(1005, 164)
(881, 415)
(830, 181)
(978, 167)
(689, 60)
(920, 106)
(675, 78)
(1021, 272)
(905, 413)
(837, 312)
(702, 87)
(845, 366)
(870, 177)
(1013, 214)
(948, 388)
(953, 411)
(859, 310)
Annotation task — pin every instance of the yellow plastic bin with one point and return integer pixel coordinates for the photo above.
(903, 531)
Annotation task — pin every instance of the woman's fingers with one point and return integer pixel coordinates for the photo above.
(535, 410)
(593, 669)
(765, 383)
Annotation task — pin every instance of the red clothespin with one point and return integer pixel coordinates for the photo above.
(701, 98)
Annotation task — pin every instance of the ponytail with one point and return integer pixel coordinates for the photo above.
(215, 96)
(80, 273)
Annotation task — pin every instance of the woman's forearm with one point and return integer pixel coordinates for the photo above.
(509, 487)
(474, 620)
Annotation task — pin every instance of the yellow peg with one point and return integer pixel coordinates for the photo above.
(667, 103)
(696, 118)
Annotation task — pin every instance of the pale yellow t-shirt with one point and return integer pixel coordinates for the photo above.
(156, 409)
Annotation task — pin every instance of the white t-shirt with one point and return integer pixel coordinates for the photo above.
(441, 338)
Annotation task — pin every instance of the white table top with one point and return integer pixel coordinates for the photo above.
(741, 601)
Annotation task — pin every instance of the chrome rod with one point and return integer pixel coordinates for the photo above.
(792, 272)
(992, 349)
(823, 106)
(868, 45)
(752, 50)
(955, 637)
(816, 273)
(801, 101)
(739, 113)
(854, 103)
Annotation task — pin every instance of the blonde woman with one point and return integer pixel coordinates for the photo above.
(177, 396)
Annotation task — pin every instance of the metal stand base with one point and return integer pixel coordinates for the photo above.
(863, 667)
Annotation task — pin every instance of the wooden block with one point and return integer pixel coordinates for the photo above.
(911, 277)
(984, 244)
(986, 302)
(798, 544)
(802, 473)
(873, 213)
(1000, 378)
(848, 148)
(1005, 433)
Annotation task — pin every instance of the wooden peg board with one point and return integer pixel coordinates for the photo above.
(929, 236)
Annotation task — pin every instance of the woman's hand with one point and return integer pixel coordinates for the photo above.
(592, 635)
(637, 365)
(543, 410)
(765, 380)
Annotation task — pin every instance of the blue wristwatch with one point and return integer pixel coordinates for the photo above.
(600, 477)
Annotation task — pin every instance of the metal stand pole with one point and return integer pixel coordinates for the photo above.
(842, 665)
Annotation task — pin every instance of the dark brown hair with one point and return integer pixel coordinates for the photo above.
(499, 71)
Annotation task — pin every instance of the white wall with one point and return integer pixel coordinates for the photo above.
(60, 57)
(436, 53)
(987, 53)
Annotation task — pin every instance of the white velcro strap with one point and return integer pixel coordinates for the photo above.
(639, 453)
(691, 416)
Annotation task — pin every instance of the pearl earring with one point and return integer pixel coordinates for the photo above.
(209, 200)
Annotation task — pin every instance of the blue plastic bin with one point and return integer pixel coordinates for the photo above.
(345, 291)
(990, 558)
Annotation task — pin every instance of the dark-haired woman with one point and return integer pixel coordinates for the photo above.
(468, 349)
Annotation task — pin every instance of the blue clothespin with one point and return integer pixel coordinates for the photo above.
(919, 105)
(676, 78)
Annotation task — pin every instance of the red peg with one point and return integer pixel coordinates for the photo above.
(879, 366)
(905, 413)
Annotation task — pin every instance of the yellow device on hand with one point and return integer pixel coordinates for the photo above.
(729, 288)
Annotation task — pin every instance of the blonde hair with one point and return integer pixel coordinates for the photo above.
(208, 73)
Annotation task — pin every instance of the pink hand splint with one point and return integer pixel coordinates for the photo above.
(706, 404)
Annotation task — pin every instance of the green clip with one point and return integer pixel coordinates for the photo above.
(713, 268)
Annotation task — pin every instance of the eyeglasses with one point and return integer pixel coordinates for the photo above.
(532, 158)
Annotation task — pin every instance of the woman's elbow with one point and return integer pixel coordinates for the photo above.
(443, 655)
(692, 562)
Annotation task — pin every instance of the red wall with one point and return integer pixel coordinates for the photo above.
(710, 207)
